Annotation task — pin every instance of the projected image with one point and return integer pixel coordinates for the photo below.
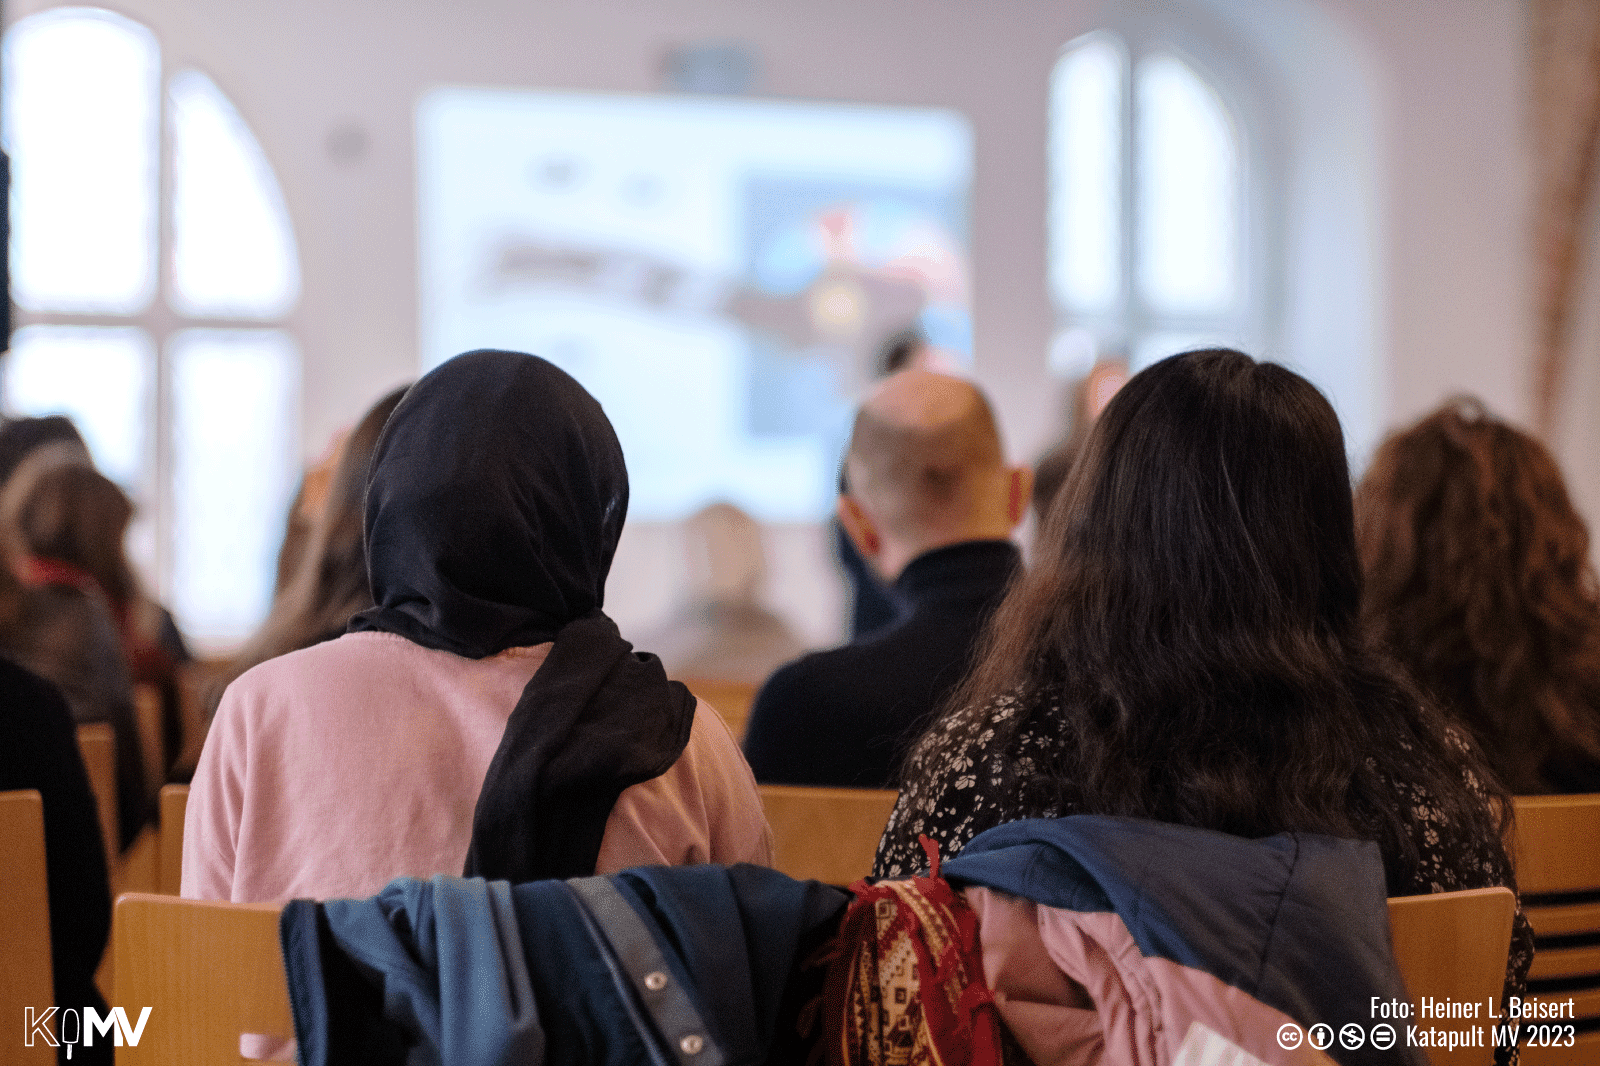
(720, 274)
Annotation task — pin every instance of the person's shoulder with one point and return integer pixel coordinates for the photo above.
(333, 665)
(67, 605)
(802, 678)
(21, 686)
(344, 651)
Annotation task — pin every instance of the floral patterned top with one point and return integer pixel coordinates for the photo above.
(957, 791)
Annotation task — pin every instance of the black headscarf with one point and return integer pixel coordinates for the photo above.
(494, 503)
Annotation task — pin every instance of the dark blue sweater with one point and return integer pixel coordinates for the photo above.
(844, 717)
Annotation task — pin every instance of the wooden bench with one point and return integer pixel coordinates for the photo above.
(826, 834)
(1557, 851)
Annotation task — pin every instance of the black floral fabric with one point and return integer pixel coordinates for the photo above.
(956, 789)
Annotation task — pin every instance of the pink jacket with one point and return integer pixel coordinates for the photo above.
(1120, 942)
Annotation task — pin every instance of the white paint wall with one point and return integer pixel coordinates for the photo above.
(1399, 132)
(1455, 187)
(1577, 440)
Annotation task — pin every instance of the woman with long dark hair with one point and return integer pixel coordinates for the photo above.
(1478, 579)
(484, 715)
(1187, 648)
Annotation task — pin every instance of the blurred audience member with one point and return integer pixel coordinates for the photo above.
(73, 520)
(70, 524)
(309, 500)
(20, 436)
(1478, 577)
(910, 349)
(1090, 397)
(63, 631)
(39, 750)
(485, 715)
(931, 505)
(724, 632)
(330, 584)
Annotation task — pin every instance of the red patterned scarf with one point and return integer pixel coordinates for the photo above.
(907, 986)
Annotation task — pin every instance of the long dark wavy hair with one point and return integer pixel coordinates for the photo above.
(1479, 580)
(1192, 623)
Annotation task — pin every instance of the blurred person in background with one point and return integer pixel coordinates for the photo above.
(20, 436)
(724, 632)
(1478, 578)
(329, 584)
(73, 522)
(1089, 398)
(310, 497)
(61, 623)
(931, 507)
(71, 525)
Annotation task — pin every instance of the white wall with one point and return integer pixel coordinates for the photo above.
(1452, 80)
(1399, 135)
(1577, 439)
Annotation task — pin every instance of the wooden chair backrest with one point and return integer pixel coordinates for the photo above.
(97, 743)
(169, 860)
(1453, 945)
(152, 736)
(1556, 845)
(25, 973)
(197, 680)
(826, 834)
(209, 972)
(732, 699)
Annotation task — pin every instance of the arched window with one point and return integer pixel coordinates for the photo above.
(152, 264)
(1151, 246)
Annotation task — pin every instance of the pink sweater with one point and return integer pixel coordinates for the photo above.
(332, 770)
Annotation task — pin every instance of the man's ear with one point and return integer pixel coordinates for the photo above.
(1019, 491)
(859, 527)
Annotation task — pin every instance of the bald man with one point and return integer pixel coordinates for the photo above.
(931, 506)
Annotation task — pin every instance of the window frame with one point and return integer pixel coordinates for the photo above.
(1255, 321)
(155, 527)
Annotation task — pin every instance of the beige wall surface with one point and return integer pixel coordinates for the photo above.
(1395, 130)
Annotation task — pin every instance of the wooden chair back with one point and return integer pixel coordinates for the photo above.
(152, 736)
(97, 743)
(26, 979)
(209, 972)
(198, 679)
(1453, 945)
(826, 834)
(1556, 845)
(732, 699)
(169, 859)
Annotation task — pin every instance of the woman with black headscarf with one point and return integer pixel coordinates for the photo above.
(486, 715)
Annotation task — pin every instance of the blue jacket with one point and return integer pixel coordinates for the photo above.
(690, 966)
(1299, 922)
